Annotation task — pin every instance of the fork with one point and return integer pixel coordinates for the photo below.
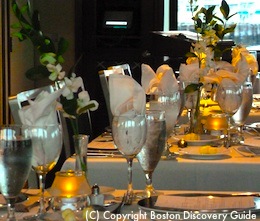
(129, 198)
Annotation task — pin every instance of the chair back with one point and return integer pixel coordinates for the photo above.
(126, 69)
(104, 79)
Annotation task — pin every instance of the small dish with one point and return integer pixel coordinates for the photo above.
(193, 153)
(205, 139)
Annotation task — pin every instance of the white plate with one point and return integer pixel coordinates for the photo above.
(252, 142)
(204, 140)
(255, 125)
(193, 153)
(253, 151)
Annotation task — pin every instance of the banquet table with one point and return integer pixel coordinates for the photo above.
(234, 173)
(136, 213)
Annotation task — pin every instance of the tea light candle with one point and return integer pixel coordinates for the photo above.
(216, 122)
(70, 184)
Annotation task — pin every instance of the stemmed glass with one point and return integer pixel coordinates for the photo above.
(240, 116)
(229, 98)
(129, 134)
(171, 104)
(151, 152)
(15, 164)
(47, 145)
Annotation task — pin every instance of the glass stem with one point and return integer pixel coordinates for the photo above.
(11, 209)
(42, 179)
(149, 184)
(130, 173)
(228, 140)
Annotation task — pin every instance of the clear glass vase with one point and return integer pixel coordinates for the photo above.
(81, 149)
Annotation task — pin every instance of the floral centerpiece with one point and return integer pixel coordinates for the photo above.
(204, 66)
(75, 100)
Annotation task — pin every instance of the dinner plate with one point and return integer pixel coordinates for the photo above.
(205, 139)
(255, 125)
(252, 141)
(254, 151)
(193, 153)
(148, 205)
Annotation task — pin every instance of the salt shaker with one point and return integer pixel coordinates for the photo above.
(96, 198)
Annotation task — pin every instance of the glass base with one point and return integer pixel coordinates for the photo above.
(145, 194)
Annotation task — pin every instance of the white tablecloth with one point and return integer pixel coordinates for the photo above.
(131, 211)
(237, 173)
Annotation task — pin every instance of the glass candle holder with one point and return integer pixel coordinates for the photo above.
(70, 184)
(216, 123)
(70, 189)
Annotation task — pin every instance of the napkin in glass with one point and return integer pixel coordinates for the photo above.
(163, 80)
(42, 110)
(127, 97)
(39, 113)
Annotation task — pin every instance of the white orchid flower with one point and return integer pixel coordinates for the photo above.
(56, 72)
(84, 100)
(73, 84)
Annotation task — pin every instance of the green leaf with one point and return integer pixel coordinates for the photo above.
(224, 8)
(209, 14)
(18, 13)
(69, 106)
(191, 88)
(15, 25)
(60, 59)
(37, 73)
(63, 45)
(190, 54)
(85, 109)
(36, 20)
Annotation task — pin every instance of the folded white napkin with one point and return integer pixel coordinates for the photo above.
(127, 97)
(42, 110)
(163, 80)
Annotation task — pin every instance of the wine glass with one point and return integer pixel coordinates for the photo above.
(47, 145)
(15, 164)
(151, 152)
(229, 98)
(129, 134)
(240, 116)
(171, 104)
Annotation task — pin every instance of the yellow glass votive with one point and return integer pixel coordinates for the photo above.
(216, 122)
(69, 184)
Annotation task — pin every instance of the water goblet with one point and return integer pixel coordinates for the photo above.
(243, 111)
(15, 164)
(171, 104)
(229, 98)
(129, 134)
(151, 152)
(47, 145)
